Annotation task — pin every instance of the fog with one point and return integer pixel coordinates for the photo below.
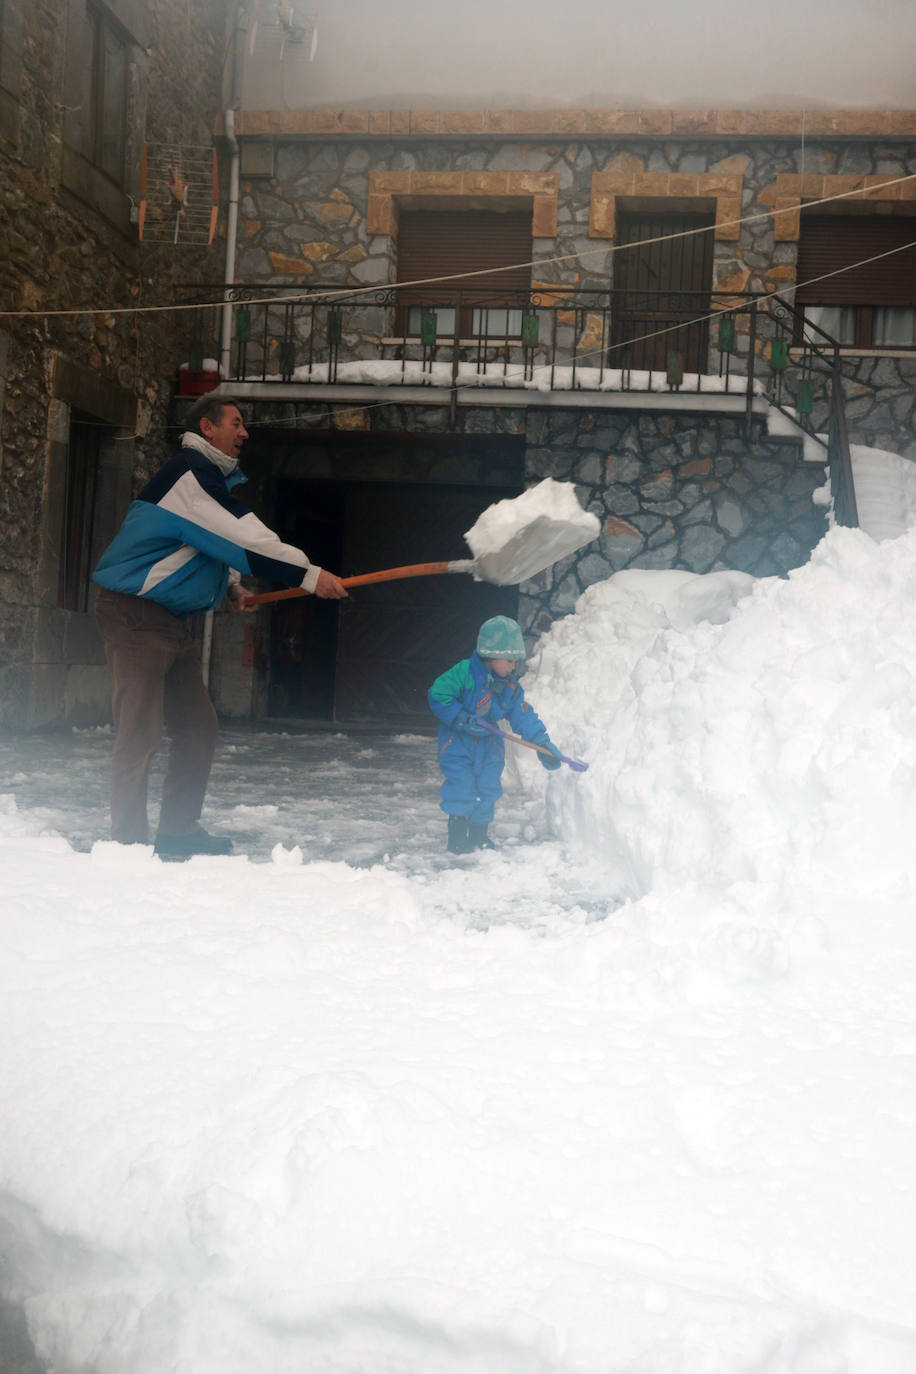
(583, 53)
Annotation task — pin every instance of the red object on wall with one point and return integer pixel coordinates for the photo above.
(196, 383)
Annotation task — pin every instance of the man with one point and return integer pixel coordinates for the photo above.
(184, 541)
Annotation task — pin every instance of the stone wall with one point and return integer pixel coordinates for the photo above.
(327, 214)
(671, 491)
(59, 253)
(880, 397)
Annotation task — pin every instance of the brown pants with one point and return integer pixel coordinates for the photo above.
(156, 672)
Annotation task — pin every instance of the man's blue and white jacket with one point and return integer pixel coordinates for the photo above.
(186, 537)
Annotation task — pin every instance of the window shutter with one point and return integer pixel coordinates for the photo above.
(830, 242)
(440, 243)
(662, 281)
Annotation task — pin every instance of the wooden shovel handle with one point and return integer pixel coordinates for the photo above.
(362, 580)
(514, 739)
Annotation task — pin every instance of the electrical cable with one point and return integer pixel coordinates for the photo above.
(351, 292)
(360, 408)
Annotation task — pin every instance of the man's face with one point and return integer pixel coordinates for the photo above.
(228, 434)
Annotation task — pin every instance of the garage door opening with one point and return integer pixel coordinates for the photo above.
(371, 658)
(303, 631)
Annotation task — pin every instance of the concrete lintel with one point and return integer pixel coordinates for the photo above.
(479, 396)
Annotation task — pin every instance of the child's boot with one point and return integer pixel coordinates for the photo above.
(458, 839)
(478, 837)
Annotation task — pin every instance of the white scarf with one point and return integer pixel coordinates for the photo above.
(222, 460)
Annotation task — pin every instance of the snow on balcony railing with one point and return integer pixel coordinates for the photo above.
(543, 377)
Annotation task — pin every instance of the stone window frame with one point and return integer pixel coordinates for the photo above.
(79, 174)
(791, 189)
(74, 387)
(389, 191)
(725, 189)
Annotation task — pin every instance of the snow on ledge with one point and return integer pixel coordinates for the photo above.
(392, 372)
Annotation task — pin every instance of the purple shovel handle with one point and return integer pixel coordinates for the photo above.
(575, 764)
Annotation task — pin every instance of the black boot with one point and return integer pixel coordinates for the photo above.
(176, 848)
(458, 841)
(478, 837)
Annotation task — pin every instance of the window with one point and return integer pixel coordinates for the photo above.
(857, 278)
(106, 78)
(98, 131)
(442, 243)
(79, 510)
(662, 287)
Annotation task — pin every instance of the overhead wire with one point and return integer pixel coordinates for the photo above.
(317, 297)
(520, 369)
(329, 296)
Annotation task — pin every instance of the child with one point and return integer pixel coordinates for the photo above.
(472, 759)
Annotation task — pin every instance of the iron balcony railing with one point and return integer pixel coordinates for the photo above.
(555, 338)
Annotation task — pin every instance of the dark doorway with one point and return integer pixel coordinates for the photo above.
(303, 631)
(372, 657)
(77, 548)
(661, 289)
(396, 637)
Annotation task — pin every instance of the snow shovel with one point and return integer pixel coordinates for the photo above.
(575, 764)
(511, 541)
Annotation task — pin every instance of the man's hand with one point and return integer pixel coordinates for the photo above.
(329, 586)
(241, 600)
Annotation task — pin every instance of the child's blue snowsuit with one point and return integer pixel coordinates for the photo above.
(473, 764)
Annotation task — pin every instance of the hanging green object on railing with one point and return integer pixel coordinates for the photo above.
(779, 354)
(334, 328)
(726, 335)
(428, 328)
(804, 401)
(196, 356)
(243, 324)
(530, 329)
(675, 369)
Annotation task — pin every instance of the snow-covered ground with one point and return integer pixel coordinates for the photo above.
(635, 1094)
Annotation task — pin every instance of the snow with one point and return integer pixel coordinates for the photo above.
(208, 365)
(885, 491)
(634, 1093)
(540, 377)
(814, 448)
(515, 539)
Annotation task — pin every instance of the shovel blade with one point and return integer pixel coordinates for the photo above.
(516, 539)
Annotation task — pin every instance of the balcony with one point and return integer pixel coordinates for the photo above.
(740, 353)
(556, 340)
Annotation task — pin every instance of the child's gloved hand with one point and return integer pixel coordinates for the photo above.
(469, 725)
(551, 760)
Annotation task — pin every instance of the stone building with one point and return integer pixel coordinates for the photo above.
(431, 310)
(437, 308)
(86, 373)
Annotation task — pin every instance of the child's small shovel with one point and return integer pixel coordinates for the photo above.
(575, 764)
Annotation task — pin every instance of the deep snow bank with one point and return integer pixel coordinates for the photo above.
(297, 1116)
(885, 491)
(741, 730)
